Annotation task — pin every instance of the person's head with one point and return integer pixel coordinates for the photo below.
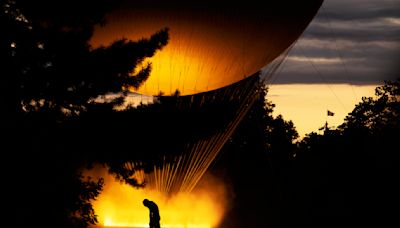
(146, 202)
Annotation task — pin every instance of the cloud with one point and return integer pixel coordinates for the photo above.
(315, 60)
(354, 42)
(360, 9)
(385, 28)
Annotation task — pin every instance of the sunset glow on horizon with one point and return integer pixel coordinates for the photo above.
(307, 104)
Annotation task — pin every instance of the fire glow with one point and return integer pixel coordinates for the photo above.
(120, 205)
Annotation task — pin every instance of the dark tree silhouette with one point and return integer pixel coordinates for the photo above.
(375, 115)
(254, 165)
(52, 126)
(50, 79)
(348, 175)
(342, 177)
(51, 63)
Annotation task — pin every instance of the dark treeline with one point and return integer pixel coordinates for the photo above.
(53, 126)
(342, 177)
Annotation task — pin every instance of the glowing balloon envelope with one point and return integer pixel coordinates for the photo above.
(212, 43)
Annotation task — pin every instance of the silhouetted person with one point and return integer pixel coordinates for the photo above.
(154, 214)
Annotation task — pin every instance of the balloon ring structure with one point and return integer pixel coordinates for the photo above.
(212, 43)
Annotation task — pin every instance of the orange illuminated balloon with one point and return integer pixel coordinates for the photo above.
(212, 43)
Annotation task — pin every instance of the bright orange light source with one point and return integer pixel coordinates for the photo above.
(120, 205)
(212, 43)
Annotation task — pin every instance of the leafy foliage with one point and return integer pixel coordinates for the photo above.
(344, 176)
(50, 80)
(351, 171)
